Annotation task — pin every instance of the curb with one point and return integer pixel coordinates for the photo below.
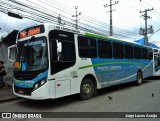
(10, 99)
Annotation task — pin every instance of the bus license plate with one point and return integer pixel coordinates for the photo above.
(20, 91)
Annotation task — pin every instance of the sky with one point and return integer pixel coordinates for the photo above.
(126, 15)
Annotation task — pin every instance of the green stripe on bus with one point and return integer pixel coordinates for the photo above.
(110, 63)
(100, 36)
(95, 35)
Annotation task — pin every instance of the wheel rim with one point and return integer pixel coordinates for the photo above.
(86, 89)
(139, 78)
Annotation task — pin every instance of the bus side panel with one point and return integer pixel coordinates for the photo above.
(126, 73)
(148, 70)
(116, 71)
(62, 88)
(87, 69)
(102, 71)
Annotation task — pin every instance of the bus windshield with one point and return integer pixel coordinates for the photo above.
(32, 54)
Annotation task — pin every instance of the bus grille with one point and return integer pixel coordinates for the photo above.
(24, 76)
(23, 91)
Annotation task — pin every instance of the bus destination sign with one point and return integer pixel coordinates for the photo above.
(31, 31)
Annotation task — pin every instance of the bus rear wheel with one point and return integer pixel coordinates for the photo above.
(86, 89)
(139, 78)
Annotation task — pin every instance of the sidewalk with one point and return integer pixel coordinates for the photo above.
(7, 95)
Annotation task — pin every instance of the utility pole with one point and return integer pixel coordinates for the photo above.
(110, 5)
(146, 30)
(59, 20)
(76, 16)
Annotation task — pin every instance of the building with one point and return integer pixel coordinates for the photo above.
(9, 40)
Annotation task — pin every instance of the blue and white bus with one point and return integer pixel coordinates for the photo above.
(52, 62)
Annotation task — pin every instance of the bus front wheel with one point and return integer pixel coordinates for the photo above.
(139, 78)
(86, 89)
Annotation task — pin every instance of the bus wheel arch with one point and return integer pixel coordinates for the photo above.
(88, 87)
(139, 79)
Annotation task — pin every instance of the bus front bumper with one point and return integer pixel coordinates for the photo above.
(38, 94)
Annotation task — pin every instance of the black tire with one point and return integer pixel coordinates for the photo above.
(86, 89)
(139, 79)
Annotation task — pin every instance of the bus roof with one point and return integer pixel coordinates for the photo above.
(89, 34)
(111, 38)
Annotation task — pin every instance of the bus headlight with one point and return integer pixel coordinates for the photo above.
(43, 81)
(36, 86)
(39, 84)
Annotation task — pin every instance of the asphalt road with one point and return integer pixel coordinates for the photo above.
(126, 98)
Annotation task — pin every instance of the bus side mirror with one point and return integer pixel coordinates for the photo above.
(59, 47)
(59, 50)
(12, 53)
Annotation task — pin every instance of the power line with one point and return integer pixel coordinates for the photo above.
(155, 11)
(92, 19)
(42, 14)
(94, 23)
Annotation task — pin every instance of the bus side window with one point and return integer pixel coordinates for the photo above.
(150, 54)
(137, 52)
(128, 51)
(87, 47)
(144, 53)
(68, 51)
(104, 49)
(118, 51)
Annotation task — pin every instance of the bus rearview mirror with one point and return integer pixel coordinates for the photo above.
(12, 53)
(59, 47)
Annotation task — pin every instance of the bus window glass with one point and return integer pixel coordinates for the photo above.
(104, 49)
(68, 47)
(150, 54)
(65, 58)
(67, 53)
(87, 47)
(144, 53)
(128, 52)
(118, 51)
(137, 53)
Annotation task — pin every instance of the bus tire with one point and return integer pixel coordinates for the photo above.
(139, 78)
(86, 89)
